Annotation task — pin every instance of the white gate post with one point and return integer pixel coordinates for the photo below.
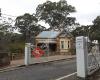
(27, 53)
(81, 55)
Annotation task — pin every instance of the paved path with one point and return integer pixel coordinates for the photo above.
(46, 71)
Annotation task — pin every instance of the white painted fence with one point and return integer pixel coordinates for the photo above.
(88, 59)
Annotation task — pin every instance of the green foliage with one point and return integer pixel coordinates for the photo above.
(5, 35)
(16, 47)
(28, 26)
(23, 22)
(9, 41)
(92, 31)
(95, 29)
(56, 14)
(16, 44)
(82, 31)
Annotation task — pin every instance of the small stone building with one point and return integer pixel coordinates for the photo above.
(55, 42)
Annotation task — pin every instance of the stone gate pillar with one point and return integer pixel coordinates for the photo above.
(27, 53)
(81, 56)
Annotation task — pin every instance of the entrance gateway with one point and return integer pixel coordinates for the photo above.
(87, 56)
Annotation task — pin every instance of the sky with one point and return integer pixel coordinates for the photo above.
(86, 10)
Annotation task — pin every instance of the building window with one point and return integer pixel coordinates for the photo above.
(62, 44)
(68, 44)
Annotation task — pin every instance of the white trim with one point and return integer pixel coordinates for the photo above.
(66, 76)
(46, 40)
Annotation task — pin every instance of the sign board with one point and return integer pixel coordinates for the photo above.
(37, 52)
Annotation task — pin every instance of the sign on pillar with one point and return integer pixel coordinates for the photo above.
(81, 55)
(27, 53)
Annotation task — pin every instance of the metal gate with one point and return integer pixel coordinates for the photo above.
(93, 57)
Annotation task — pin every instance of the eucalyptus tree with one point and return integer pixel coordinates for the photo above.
(56, 14)
(27, 25)
(95, 29)
(82, 31)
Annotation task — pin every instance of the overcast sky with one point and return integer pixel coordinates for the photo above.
(87, 10)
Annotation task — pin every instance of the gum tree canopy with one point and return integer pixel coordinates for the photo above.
(95, 29)
(28, 26)
(23, 22)
(56, 14)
